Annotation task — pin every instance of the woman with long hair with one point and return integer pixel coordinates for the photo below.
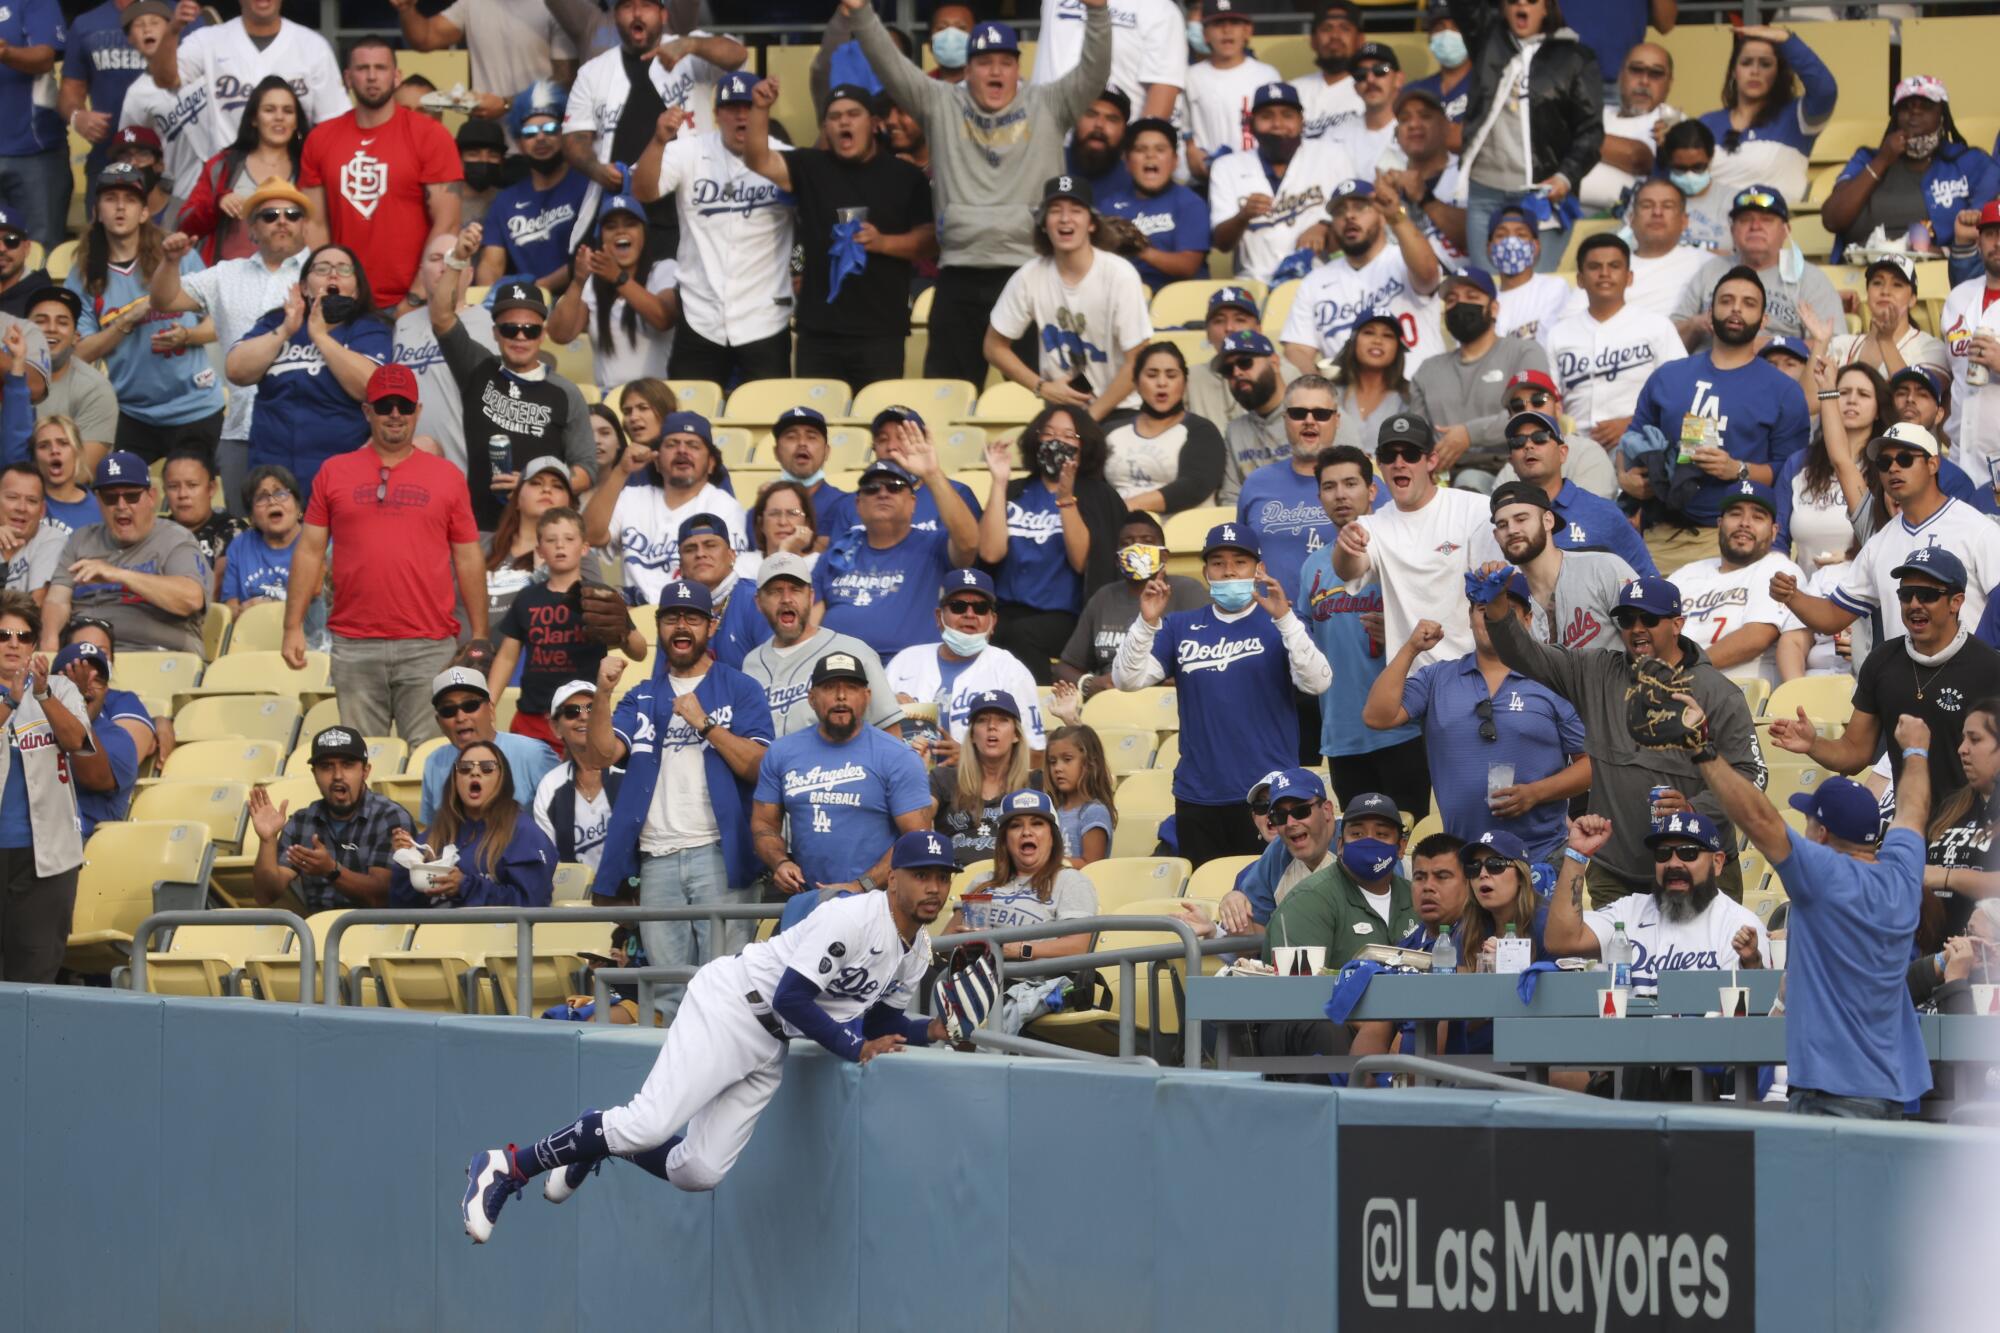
(607, 432)
(269, 139)
(1934, 171)
(1373, 385)
(1166, 458)
(1823, 486)
(1503, 895)
(1051, 536)
(782, 519)
(624, 297)
(1890, 339)
(993, 761)
(504, 859)
(1960, 869)
(61, 458)
(168, 397)
(310, 360)
(1776, 98)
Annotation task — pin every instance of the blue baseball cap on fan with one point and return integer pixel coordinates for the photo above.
(736, 88)
(121, 468)
(1651, 594)
(1934, 563)
(703, 525)
(1275, 94)
(1692, 826)
(799, 416)
(1234, 297)
(1027, 801)
(992, 701)
(687, 423)
(621, 203)
(1498, 841)
(1372, 803)
(686, 593)
(922, 850)
(1294, 784)
(1246, 342)
(993, 37)
(975, 581)
(1844, 807)
(1231, 537)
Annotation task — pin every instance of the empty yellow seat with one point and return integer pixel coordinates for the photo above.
(220, 807)
(267, 717)
(703, 396)
(225, 761)
(265, 673)
(434, 971)
(1830, 698)
(1006, 403)
(259, 629)
(276, 975)
(207, 959)
(558, 961)
(1214, 878)
(1185, 303)
(1126, 749)
(1156, 708)
(935, 400)
(761, 402)
(572, 883)
(156, 674)
(1124, 879)
(126, 865)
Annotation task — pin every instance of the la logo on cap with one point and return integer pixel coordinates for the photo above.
(1921, 556)
(935, 847)
(1228, 533)
(680, 590)
(967, 578)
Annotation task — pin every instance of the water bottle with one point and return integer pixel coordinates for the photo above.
(499, 453)
(1444, 953)
(1620, 960)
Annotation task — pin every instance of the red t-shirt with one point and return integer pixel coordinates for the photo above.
(374, 182)
(395, 578)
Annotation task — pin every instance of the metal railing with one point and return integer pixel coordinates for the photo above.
(1451, 1075)
(142, 939)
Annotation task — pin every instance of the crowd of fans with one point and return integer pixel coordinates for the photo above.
(1475, 478)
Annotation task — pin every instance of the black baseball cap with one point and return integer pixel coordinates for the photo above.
(1519, 493)
(1407, 428)
(839, 666)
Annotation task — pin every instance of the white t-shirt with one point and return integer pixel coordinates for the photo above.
(1365, 147)
(1601, 365)
(1537, 304)
(647, 531)
(1657, 283)
(233, 65)
(850, 948)
(736, 242)
(593, 813)
(1327, 105)
(1138, 464)
(1604, 183)
(1718, 602)
(1823, 658)
(1218, 104)
(641, 354)
(1821, 525)
(181, 120)
(1148, 45)
(1659, 945)
(915, 672)
(1422, 557)
(682, 813)
(1333, 298)
(1297, 202)
(1974, 425)
(1916, 347)
(1956, 526)
(1087, 329)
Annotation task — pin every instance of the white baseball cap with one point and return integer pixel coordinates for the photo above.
(459, 678)
(784, 565)
(568, 690)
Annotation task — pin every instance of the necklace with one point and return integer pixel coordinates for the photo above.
(1921, 682)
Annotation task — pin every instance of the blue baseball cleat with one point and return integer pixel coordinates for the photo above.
(489, 1182)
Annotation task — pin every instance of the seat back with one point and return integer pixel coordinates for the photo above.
(936, 400)
(1184, 304)
(761, 402)
(267, 717)
(1125, 879)
(1155, 708)
(1126, 749)
(259, 629)
(430, 974)
(572, 883)
(223, 808)
(156, 674)
(126, 865)
(205, 959)
(224, 761)
(558, 958)
(1212, 879)
(265, 673)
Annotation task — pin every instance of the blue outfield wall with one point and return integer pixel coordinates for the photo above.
(187, 1164)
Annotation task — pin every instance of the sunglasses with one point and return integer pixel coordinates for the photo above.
(1898, 459)
(1483, 710)
(1237, 366)
(463, 708)
(288, 214)
(394, 407)
(518, 330)
(1372, 71)
(1532, 437)
(17, 636)
(1926, 596)
(1312, 413)
(1492, 865)
(1399, 453)
(1680, 852)
(537, 131)
(13, 240)
(483, 767)
(1533, 398)
(571, 712)
(118, 499)
(382, 486)
(968, 606)
(1626, 617)
(889, 487)
(1286, 813)
(1756, 199)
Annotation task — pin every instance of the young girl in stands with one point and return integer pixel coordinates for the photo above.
(504, 860)
(1081, 781)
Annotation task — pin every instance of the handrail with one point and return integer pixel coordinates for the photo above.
(1444, 1072)
(1006, 1045)
(602, 979)
(525, 919)
(142, 939)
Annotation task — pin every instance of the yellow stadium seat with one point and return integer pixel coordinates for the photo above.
(1184, 305)
(1187, 530)
(156, 674)
(1122, 879)
(324, 714)
(265, 673)
(1756, 692)
(207, 959)
(970, 875)
(1857, 51)
(1126, 749)
(1194, 346)
(126, 865)
(1278, 308)
(506, 706)
(432, 972)
(761, 402)
(1007, 404)
(962, 449)
(703, 396)
(739, 447)
(1827, 697)
(916, 347)
(421, 755)
(387, 756)
(1169, 753)
(1214, 878)
(573, 880)
(214, 717)
(555, 964)
(214, 629)
(61, 260)
(223, 808)
(1955, 51)
(225, 761)
(575, 361)
(1701, 60)
(260, 629)
(920, 309)
(1093, 1025)
(1429, 824)
(1789, 774)
(405, 789)
(936, 401)
(1156, 708)
(276, 975)
(792, 65)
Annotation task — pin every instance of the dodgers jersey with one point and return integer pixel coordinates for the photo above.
(850, 949)
(233, 66)
(1298, 201)
(736, 242)
(1660, 945)
(1281, 505)
(1334, 297)
(1602, 364)
(1719, 601)
(1327, 106)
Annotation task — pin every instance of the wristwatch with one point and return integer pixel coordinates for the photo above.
(1027, 952)
(1743, 472)
(706, 727)
(868, 884)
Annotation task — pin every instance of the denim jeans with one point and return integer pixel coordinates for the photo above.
(1811, 1101)
(37, 186)
(1481, 203)
(694, 877)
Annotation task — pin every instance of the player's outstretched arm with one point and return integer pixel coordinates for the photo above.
(797, 1002)
(886, 1020)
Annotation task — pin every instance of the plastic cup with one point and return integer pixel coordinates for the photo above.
(1735, 1001)
(1611, 1003)
(1986, 999)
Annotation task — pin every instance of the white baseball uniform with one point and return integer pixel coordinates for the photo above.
(1297, 201)
(1870, 586)
(181, 120)
(1334, 297)
(1717, 602)
(1218, 104)
(1537, 304)
(1601, 365)
(736, 242)
(233, 65)
(1148, 45)
(1366, 147)
(647, 530)
(724, 1054)
(1327, 105)
(597, 100)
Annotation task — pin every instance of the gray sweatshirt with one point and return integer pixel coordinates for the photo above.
(1622, 774)
(1448, 391)
(987, 170)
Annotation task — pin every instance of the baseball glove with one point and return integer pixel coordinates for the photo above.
(1122, 236)
(1659, 721)
(606, 619)
(966, 991)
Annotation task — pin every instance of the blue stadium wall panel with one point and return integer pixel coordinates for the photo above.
(207, 1165)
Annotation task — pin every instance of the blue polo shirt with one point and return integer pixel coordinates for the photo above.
(888, 598)
(1175, 219)
(1959, 177)
(841, 799)
(1037, 571)
(1333, 617)
(533, 226)
(1281, 505)
(1759, 409)
(1850, 1029)
(26, 126)
(1536, 731)
(1234, 694)
(1589, 522)
(304, 417)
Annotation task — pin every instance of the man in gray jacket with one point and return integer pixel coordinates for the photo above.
(1469, 388)
(1622, 773)
(993, 142)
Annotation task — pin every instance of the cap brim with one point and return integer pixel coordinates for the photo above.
(1803, 803)
(1208, 551)
(827, 678)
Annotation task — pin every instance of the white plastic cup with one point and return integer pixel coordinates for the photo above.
(1498, 778)
(1735, 1001)
(1778, 949)
(1986, 999)
(1611, 1003)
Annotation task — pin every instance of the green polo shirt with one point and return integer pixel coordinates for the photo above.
(1327, 909)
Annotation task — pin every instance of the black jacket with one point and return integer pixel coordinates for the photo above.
(1565, 91)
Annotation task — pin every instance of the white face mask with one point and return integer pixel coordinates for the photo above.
(1448, 46)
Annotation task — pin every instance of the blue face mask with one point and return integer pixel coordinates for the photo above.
(1232, 594)
(1369, 859)
(1197, 40)
(951, 46)
(1511, 255)
(1689, 182)
(1449, 48)
(813, 480)
(963, 644)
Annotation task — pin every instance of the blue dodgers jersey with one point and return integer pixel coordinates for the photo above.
(1281, 505)
(1759, 410)
(1037, 571)
(841, 800)
(1235, 699)
(1174, 220)
(533, 226)
(887, 599)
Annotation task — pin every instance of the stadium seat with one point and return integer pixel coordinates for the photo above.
(207, 959)
(1429, 824)
(223, 808)
(703, 396)
(1155, 708)
(920, 309)
(761, 402)
(276, 975)
(935, 400)
(1212, 879)
(1127, 749)
(1168, 756)
(1006, 404)
(1187, 530)
(1756, 692)
(324, 714)
(264, 673)
(1184, 305)
(1124, 879)
(224, 761)
(156, 673)
(572, 883)
(506, 706)
(963, 449)
(405, 789)
(555, 965)
(437, 967)
(967, 877)
(1093, 1026)
(260, 629)
(127, 866)
(214, 629)
(214, 717)
(1825, 698)
(1278, 308)
(387, 756)
(1194, 346)
(1789, 774)
(1857, 51)
(61, 260)
(741, 448)
(1954, 50)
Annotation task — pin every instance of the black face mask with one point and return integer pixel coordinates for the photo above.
(1467, 322)
(1146, 409)
(1279, 147)
(1333, 64)
(481, 176)
(338, 309)
(1054, 455)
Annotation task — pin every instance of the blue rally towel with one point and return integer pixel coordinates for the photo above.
(1297, 264)
(847, 255)
(1538, 207)
(1350, 986)
(1525, 987)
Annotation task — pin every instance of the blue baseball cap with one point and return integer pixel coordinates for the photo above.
(621, 203)
(1231, 537)
(1275, 94)
(1517, 587)
(1760, 198)
(1543, 420)
(1372, 804)
(882, 467)
(1789, 346)
(925, 849)
(992, 701)
(1246, 342)
(966, 580)
(1223, 298)
(735, 88)
(1350, 189)
(79, 652)
(687, 423)
(703, 525)
(993, 37)
(685, 593)
(1499, 841)
(894, 412)
(1692, 826)
(799, 416)
(1847, 809)
(1027, 801)
(10, 220)
(121, 469)
(1379, 315)
(1750, 491)
(1652, 594)
(1475, 277)
(1936, 563)
(1934, 383)
(1511, 213)
(1295, 784)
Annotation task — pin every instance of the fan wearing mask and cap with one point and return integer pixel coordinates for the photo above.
(1360, 898)
(1264, 206)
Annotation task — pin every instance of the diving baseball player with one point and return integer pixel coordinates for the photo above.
(843, 977)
